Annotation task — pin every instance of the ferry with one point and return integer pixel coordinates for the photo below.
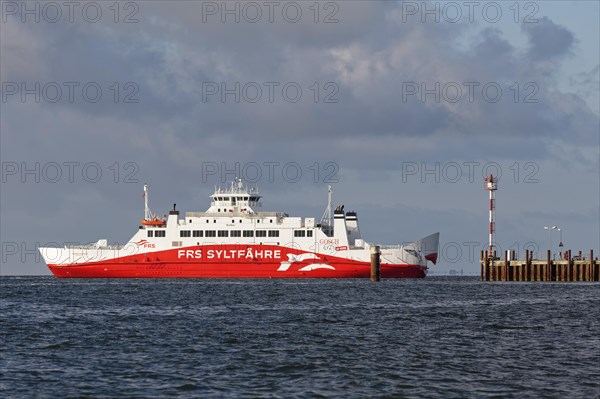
(234, 238)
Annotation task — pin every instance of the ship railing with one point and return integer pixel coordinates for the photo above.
(279, 215)
(396, 246)
(275, 214)
(93, 246)
(197, 214)
(80, 246)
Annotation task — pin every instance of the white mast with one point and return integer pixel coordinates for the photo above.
(327, 216)
(329, 204)
(147, 213)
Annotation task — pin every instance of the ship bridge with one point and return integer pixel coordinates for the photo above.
(237, 199)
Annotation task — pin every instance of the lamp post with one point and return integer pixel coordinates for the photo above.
(550, 228)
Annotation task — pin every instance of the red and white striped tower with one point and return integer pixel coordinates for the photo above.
(491, 185)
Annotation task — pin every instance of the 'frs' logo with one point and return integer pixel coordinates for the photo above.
(144, 244)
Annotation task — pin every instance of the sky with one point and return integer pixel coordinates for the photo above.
(402, 107)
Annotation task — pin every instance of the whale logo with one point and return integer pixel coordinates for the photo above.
(293, 258)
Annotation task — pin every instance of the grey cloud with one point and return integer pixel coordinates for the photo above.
(172, 58)
(548, 39)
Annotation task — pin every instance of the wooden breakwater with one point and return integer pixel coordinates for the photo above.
(568, 269)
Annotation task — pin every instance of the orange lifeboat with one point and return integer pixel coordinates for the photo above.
(153, 222)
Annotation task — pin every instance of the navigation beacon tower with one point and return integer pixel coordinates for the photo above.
(491, 185)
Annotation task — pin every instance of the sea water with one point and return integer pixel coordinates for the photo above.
(438, 337)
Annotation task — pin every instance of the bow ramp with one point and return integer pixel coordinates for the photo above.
(428, 247)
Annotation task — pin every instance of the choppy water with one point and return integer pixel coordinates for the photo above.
(438, 337)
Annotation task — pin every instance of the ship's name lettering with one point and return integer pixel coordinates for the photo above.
(230, 254)
(329, 241)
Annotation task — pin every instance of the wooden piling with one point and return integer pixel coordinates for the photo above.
(527, 271)
(497, 271)
(482, 267)
(521, 271)
(375, 263)
(570, 266)
(548, 266)
(513, 273)
(505, 267)
(513, 269)
(577, 274)
(486, 263)
(591, 265)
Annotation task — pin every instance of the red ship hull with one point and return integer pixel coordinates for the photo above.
(231, 262)
(188, 270)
